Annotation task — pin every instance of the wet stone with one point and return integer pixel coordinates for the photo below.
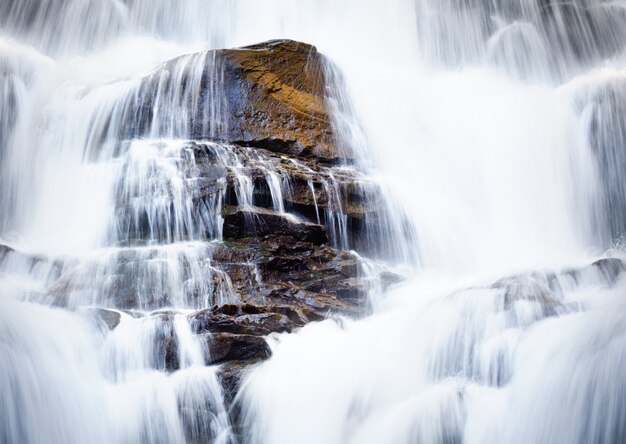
(242, 211)
(110, 318)
(248, 319)
(260, 222)
(235, 347)
(273, 96)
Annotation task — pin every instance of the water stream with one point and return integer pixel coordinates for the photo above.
(496, 126)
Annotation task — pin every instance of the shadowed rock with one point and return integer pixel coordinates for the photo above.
(235, 347)
(255, 134)
(259, 222)
(248, 319)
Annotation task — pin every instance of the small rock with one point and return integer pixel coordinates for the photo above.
(110, 318)
(259, 222)
(261, 321)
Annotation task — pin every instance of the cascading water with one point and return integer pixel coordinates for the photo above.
(497, 128)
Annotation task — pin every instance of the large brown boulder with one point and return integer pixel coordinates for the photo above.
(273, 95)
(280, 101)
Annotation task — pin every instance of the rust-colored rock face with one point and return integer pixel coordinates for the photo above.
(281, 100)
(275, 95)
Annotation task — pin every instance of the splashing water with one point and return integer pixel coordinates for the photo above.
(496, 126)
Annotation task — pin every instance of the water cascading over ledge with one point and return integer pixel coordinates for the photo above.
(135, 255)
(234, 209)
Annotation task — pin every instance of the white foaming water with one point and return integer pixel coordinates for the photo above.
(67, 381)
(498, 128)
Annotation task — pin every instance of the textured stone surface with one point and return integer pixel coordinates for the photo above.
(273, 95)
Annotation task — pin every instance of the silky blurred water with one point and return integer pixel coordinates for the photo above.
(496, 126)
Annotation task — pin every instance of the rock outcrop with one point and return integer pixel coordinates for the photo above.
(235, 205)
(259, 222)
(318, 193)
(274, 95)
(546, 289)
(278, 98)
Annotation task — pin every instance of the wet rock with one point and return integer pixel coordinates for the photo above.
(610, 268)
(255, 135)
(4, 251)
(319, 304)
(259, 222)
(166, 344)
(274, 270)
(312, 187)
(318, 193)
(235, 347)
(143, 278)
(605, 271)
(578, 31)
(110, 318)
(231, 374)
(548, 287)
(338, 198)
(353, 291)
(530, 288)
(247, 319)
(389, 279)
(51, 268)
(272, 95)
(606, 104)
(281, 271)
(281, 105)
(31, 260)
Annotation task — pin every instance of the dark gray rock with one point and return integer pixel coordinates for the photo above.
(259, 222)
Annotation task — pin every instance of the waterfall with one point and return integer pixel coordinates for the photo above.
(481, 302)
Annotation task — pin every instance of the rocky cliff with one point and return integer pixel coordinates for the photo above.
(234, 204)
